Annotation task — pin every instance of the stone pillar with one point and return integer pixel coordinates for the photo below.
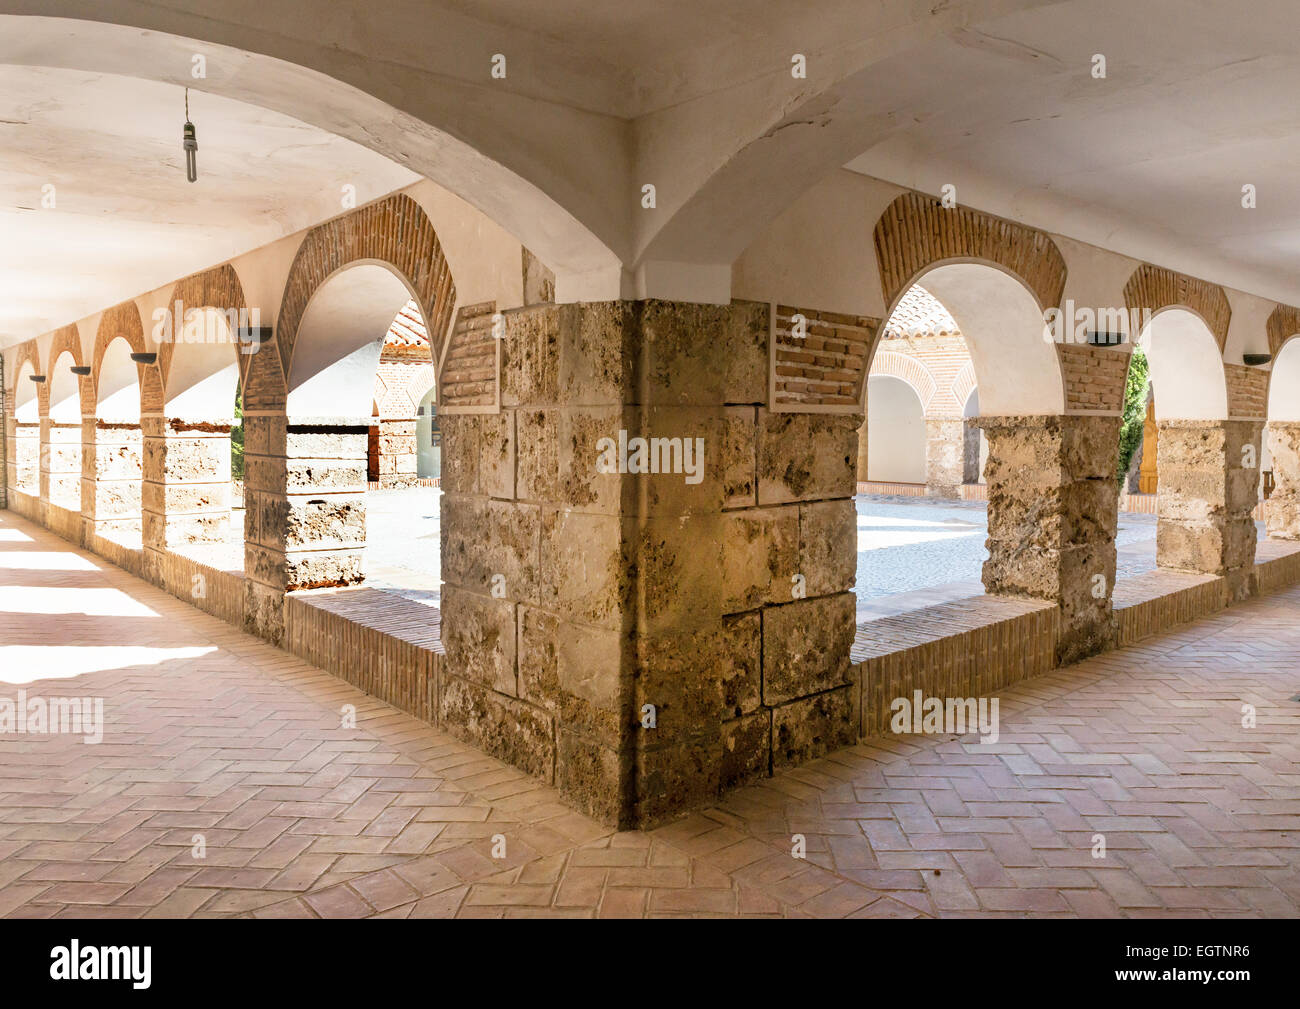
(862, 452)
(1052, 518)
(25, 456)
(61, 464)
(1209, 485)
(304, 511)
(111, 472)
(646, 639)
(945, 456)
(186, 491)
(397, 452)
(1282, 509)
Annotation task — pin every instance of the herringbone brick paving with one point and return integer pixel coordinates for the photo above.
(212, 733)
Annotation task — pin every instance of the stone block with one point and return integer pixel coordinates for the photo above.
(806, 646)
(501, 726)
(812, 727)
(484, 538)
(698, 680)
(478, 633)
(804, 457)
(582, 572)
(828, 546)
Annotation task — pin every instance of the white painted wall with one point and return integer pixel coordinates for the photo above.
(895, 432)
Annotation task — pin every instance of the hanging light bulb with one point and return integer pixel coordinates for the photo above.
(190, 142)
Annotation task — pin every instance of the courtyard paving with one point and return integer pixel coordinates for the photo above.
(229, 782)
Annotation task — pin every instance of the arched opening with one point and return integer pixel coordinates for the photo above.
(914, 553)
(895, 432)
(64, 453)
(1208, 462)
(193, 454)
(351, 413)
(1185, 365)
(26, 449)
(117, 465)
(1282, 464)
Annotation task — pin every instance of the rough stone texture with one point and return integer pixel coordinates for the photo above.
(111, 477)
(945, 456)
(655, 624)
(1282, 510)
(61, 464)
(185, 495)
(1052, 519)
(1205, 498)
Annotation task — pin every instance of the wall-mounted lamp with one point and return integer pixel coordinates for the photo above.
(81, 369)
(149, 358)
(190, 143)
(1256, 359)
(1104, 338)
(37, 378)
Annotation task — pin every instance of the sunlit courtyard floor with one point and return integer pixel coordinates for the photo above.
(912, 552)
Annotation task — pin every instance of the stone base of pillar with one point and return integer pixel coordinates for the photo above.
(945, 456)
(185, 496)
(645, 640)
(1282, 510)
(1205, 498)
(1052, 518)
(61, 478)
(112, 469)
(304, 512)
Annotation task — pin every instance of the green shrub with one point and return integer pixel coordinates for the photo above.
(1135, 409)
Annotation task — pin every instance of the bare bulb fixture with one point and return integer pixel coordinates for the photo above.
(190, 142)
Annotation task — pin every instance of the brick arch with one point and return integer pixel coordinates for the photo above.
(916, 232)
(217, 288)
(1283, 324)
(891, 364)
(394, 231)
(964, 383)
(1153, 288)
(68, 340)
(124, 321)
(28, 352)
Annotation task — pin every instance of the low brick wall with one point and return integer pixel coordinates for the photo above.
(1158, 600)
(967, 648)
(212, 590)
(387, 646)
(65, 523)
(1277, 565)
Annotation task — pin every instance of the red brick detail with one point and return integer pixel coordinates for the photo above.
(1283, 323)
(1094, 377)
(469, 370)
(828, 366)
(964, 383)
(916, 231)
(124, 321)
(905, 368)
(27, 352)
(943, 355)
(394, 230)
(1247, 391)
(1152, 288)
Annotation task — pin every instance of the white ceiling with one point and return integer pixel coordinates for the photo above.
(125, 219)
(1199, 100)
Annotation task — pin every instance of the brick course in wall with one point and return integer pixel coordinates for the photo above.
(1094, 377)
(827, 366)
